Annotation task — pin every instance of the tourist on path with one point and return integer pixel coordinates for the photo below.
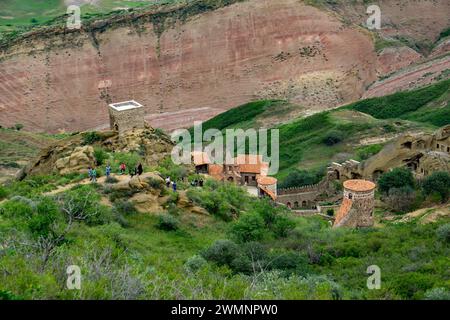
(90, 173)
(174, 186)
(123, 168)
(94, 175)
(108, 171)
(140, 170)
(168, 182)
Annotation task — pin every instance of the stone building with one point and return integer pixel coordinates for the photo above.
(422, 153)
(124, 116)
(245, 170)
(358, 204)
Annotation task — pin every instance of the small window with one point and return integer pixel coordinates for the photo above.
(253, 178)
(437, 146)
(350, 196)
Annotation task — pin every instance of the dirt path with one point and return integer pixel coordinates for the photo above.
(86, 181)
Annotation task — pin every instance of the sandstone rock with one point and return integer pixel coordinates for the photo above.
(78, 161)
(146, 202)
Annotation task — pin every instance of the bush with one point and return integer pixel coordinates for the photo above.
(83, 201)
(195, 263)
(282, 226)
(124, 207)
(438, 182)
(443, 233)
(167, 222)
(401, 199)
(330, 212)
(17, 208)
(397, 178)
(100, 156)
(41, 223)
(90, 138)
(18, 126)
(3, 193)
(300, 178)
(249, 227)
(222, 252)
(333, 137)
(437, 294)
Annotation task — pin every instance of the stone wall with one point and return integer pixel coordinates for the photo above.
(122, 121)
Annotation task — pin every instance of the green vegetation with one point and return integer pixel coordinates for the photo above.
(439, 183)
(127, 255)
(237, 117)
(397, 178)
(405, 105)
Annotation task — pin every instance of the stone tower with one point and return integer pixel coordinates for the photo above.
(126, 115)
(358, 204)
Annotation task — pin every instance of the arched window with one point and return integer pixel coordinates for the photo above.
(296, 204)
(303, 204)
(350, 196)
(289, 205)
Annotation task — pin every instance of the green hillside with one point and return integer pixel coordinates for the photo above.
(313, 142)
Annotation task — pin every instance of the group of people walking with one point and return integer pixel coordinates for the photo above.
(137, 171)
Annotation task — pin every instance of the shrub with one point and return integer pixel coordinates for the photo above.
(443, 233)
(333, 137)
(41, 223)
(438, 182)
(222, 252)
(84, 202)
(282, 226)
(3, 193)
(397, 178)
(17, 208)
(300, 178)
(100, 156)
(195, 263)
(330, 212)
(167, 222)
(90, 138)
(289, 262)
(437, 294)
(249, 227)
(401, 199)
(124, 207)
(18, 126)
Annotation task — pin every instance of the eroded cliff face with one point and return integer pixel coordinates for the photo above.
(194, 68)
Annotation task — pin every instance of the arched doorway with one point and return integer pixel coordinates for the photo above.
(296, 204)
(304, 204)
(289, 205)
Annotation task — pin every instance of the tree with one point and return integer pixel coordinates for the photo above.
(401, 199)
(333, 137)
(438, 182)
(397, 178)
(249, 227)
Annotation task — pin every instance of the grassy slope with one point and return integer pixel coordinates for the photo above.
(411, 257)
(301, 140)
(19, 13)
(21, 145)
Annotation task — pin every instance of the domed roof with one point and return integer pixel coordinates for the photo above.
(359, 185)
(267, 181)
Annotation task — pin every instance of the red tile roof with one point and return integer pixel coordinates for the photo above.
(359, 185)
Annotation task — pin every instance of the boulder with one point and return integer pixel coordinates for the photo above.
(78, 161)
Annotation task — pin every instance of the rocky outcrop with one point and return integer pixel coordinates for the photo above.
(77, 161)
(71, 155)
